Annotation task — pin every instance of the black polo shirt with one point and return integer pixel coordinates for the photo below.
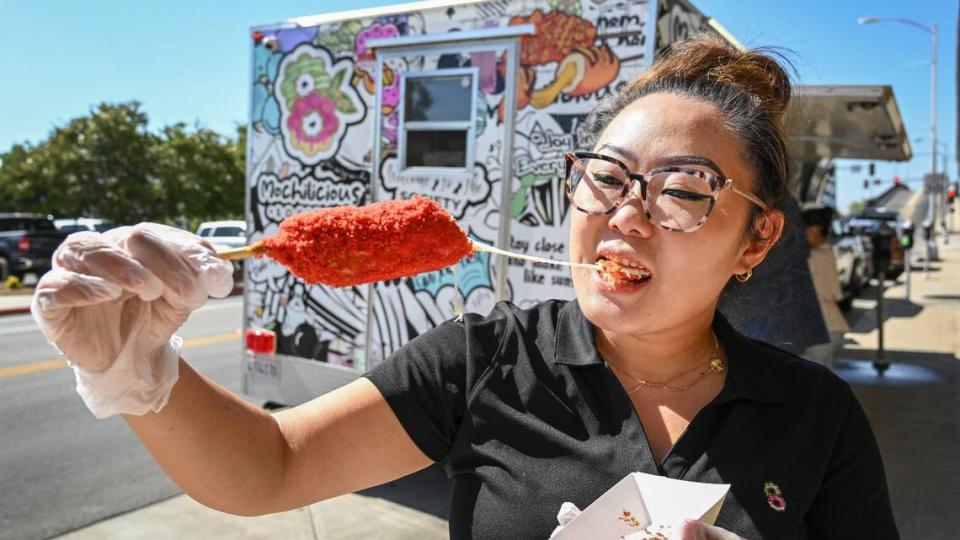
(523, 414)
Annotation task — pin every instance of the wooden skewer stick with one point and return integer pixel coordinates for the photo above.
(258, 249)
(490, 249)
(241, 253)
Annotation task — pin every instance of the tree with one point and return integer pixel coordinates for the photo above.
(201, 173)
(108, 164)
(856, 207)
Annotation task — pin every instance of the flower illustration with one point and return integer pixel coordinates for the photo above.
(317, 102)
(313, 123)
(373, 32)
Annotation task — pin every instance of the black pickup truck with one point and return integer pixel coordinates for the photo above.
(27, 242)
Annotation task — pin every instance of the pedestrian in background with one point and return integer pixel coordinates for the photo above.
(826, 281)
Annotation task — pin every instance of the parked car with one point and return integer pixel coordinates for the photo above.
(854, 265)
(224, 234)
(869, 223)
(27, 242)
(69, 226)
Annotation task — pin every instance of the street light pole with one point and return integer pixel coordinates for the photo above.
(932, 198)
(931, 193)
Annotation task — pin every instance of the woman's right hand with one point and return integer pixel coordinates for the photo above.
(112, 302)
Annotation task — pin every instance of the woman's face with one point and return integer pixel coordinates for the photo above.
(687, 270)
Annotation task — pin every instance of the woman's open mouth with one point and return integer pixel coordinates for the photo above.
(618, 272)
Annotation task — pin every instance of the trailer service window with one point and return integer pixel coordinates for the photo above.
(437, 120)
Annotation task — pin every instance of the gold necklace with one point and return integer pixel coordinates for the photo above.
(713, 365)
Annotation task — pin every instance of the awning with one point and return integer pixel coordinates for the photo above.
(846, 122)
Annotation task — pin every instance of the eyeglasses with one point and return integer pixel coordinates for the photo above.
(677, 198)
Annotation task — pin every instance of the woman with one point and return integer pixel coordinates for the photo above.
(527, 409)
(826, 281)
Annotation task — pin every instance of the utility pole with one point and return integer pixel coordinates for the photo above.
(932, 190)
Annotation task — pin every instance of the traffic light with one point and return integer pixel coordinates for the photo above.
(951, 195)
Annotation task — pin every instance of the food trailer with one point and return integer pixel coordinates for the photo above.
(471, 103)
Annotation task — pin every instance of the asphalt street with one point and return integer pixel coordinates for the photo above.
(57, 458)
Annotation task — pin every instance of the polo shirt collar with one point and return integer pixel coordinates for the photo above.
(749, 374)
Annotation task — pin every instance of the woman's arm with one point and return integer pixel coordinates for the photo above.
(234, 457)
(111, 304)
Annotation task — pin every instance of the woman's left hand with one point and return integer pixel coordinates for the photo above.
(698, 530)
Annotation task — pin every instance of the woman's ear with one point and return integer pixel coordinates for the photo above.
(764, 233)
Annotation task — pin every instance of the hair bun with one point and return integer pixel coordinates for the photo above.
(707, 58)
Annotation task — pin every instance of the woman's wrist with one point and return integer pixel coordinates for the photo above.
(135, 384)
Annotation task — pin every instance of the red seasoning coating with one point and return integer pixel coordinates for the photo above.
(349, 245)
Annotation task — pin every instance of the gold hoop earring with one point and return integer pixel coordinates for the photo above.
(744, 277)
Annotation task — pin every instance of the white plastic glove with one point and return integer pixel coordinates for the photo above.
(112, 302)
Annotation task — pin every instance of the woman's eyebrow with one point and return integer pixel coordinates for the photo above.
(690, 160)
(622, 151)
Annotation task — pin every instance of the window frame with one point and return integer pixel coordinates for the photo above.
(443, 125)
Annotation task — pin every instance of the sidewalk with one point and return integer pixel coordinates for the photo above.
(915, 407)
(374, 515)
(914, 410)
(349, 516)
(15, 302)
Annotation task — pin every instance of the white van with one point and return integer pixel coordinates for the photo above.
(224, 234)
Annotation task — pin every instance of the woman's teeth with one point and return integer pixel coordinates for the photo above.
(619, 270)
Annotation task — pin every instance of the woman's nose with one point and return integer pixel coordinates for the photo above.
(630, 217)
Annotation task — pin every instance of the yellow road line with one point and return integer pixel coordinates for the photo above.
(36, 367)
(25, 369)
(210, 340)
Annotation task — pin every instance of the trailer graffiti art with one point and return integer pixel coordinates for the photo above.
(678, 20)
(310, 322)
(564, 51)
(454, 194)
(321, 135)
(539, 167)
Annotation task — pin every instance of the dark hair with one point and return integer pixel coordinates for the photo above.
(750, 88)
(818, 217)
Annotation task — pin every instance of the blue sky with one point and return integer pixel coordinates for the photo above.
(188, 60)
